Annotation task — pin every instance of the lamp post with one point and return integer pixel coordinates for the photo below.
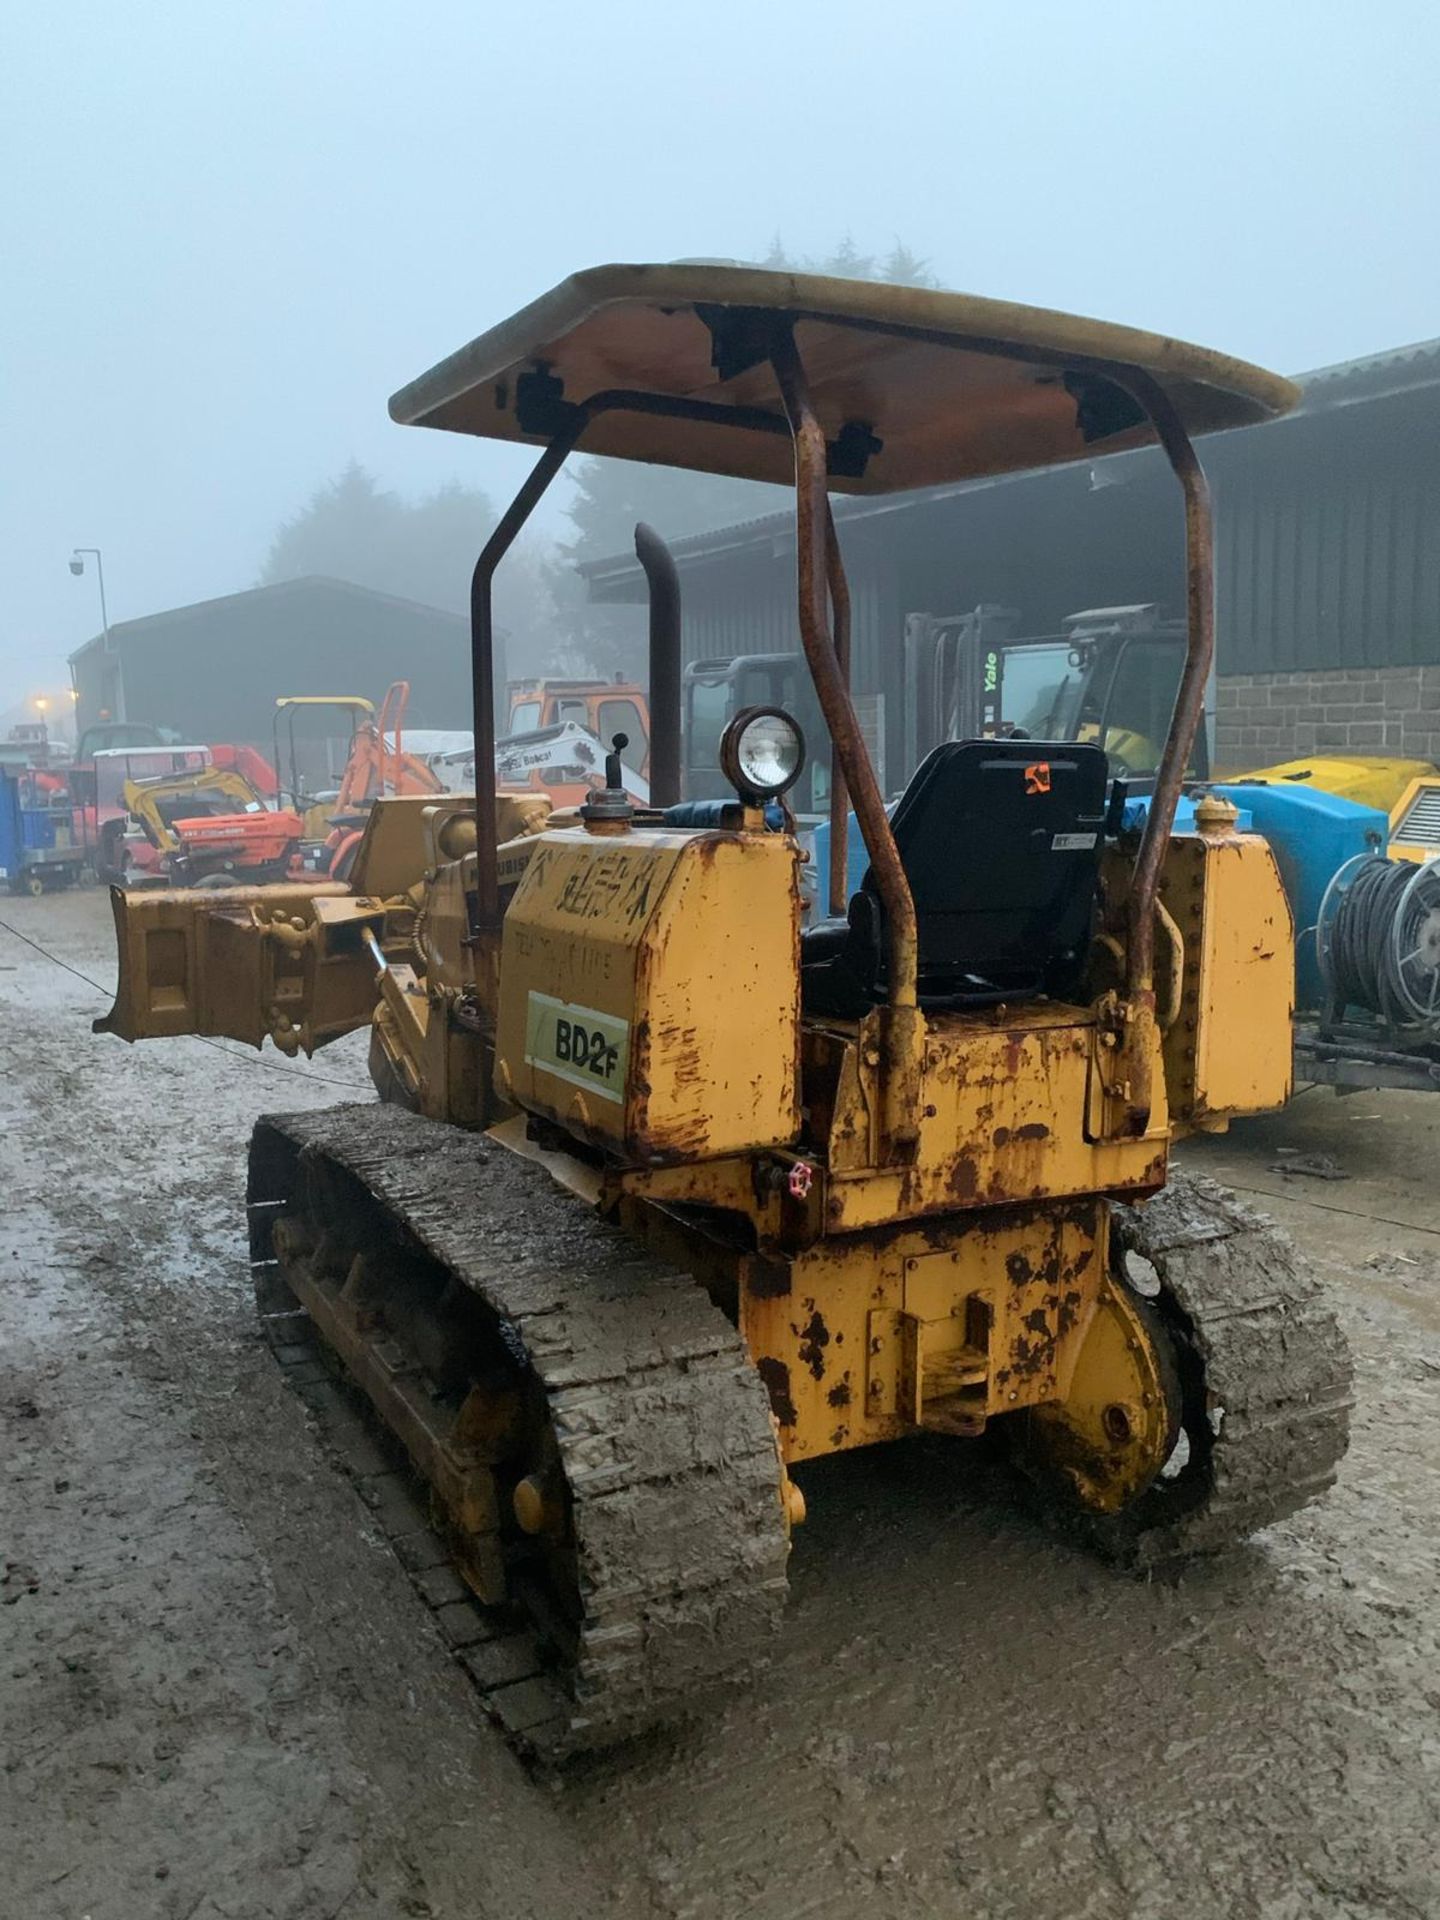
(77, 567)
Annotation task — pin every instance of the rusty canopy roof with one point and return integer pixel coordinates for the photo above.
(914, 387)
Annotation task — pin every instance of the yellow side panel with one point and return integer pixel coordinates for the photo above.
(1005, 1104)
(649, 992)
(1229, 1051)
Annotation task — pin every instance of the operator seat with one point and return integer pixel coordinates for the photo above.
(1000, 841)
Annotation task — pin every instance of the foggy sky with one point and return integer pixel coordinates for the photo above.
(228, 232)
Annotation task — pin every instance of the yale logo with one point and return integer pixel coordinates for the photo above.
(578, 1044)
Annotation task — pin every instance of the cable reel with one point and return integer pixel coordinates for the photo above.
(1378, 942)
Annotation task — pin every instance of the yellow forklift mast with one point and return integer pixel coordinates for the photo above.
(665, 1198)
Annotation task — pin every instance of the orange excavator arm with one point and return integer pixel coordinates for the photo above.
(378, 764)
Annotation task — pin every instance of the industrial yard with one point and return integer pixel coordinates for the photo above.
(720, 963)
(223, 1696)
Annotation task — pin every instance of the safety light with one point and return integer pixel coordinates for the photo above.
(761, 752)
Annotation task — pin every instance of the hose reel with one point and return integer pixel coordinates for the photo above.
(1378, 943)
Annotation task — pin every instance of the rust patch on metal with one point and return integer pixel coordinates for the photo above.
(776, 1376)
(839, 1395)
(814, 1337)
(767, 1279)
(964, 1179)
(1037, 1356)
(1032, 1130)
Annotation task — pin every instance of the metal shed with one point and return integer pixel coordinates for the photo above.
(213, 671)
(1328, 564)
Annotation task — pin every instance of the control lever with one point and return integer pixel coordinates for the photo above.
(611, 802)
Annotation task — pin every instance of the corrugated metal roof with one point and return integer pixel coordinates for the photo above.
(1413, 366)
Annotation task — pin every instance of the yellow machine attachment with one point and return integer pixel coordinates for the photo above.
(666, 1197)
(298, 964)
(1373, 781)
(1415, 820)
(1407, 790)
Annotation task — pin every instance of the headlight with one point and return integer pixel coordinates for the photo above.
(761, 752)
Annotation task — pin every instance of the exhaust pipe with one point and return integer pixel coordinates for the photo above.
(663, 580)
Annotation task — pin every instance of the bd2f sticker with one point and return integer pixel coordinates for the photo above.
(578, 1044)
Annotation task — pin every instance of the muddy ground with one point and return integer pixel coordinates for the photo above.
(220, 1696)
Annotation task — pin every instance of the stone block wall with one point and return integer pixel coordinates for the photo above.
(1266, 717)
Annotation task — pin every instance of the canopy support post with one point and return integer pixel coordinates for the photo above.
(820, 579)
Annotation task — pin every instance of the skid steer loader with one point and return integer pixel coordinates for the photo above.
(663, 1200)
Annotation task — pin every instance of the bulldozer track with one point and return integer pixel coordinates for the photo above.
(1267, 1370)
(662, 1427)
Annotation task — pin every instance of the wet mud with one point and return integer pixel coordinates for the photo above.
(219, 1694)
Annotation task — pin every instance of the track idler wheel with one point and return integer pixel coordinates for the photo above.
(1252, 1368)
(1110, 1438)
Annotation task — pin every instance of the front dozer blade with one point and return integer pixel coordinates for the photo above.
(287, 963)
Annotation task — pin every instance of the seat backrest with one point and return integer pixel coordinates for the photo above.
(1001, 843)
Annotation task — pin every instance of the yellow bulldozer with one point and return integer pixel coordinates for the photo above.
(663, 1199)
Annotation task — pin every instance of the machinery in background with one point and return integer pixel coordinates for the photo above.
(1364, 1013)
(1377, 939)
(376, 766)
(210, 828)
(111, 754)
(666, 1197)
(39, 847)
(565, 762)
(1415, 819)
(1112, 676)
(715, 691)
(1370, 780)
(562, 759)
(248, 762)
(115, 847)
(117, 735)
(601, 708)
(307, 789)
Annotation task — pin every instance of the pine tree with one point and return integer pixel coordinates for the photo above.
(425, 550)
